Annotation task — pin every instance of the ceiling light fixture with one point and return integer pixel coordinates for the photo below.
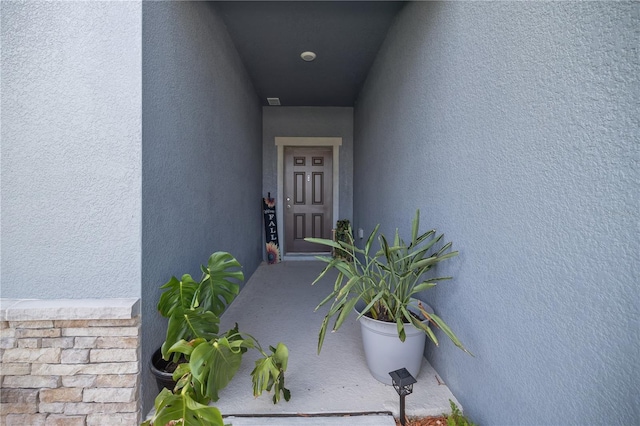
(308, 56)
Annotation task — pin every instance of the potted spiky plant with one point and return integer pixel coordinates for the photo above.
(382, 287)
(206, 360)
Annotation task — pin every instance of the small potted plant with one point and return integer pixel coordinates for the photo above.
(382, 287)
(205, 360)
(342, 234)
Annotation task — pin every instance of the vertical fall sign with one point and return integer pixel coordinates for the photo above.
(271, 229)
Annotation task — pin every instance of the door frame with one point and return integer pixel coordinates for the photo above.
(281, 142)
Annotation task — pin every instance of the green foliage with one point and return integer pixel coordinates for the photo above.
(172, 407)
(211, 359)
(342, 234)
(214, 365)
(386, 281)
(456, 418)
(194, 308)
(269, 373)
(219, 282)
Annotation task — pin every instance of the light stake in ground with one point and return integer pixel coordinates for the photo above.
(403, 384)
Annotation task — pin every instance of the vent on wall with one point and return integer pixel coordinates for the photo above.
(273, 101)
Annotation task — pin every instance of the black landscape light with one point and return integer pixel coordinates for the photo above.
(403, 383)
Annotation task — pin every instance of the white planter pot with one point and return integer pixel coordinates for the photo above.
(385, 352)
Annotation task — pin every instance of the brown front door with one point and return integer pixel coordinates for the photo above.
(308, 197)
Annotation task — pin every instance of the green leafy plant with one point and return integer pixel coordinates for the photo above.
(206, 360)
(456, 418)
(342, 234)
(385, 281)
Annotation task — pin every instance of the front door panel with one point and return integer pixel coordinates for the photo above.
(308, 197)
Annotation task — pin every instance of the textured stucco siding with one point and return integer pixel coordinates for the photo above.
(202, 154)
(71, 149)
(514, 128)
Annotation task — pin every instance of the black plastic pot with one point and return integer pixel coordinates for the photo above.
(158, 367)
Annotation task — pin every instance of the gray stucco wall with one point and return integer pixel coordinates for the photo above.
(71, 149)
(202, 154)
(514, 128)
(309, 122)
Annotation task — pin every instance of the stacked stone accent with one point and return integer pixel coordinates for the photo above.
(70, 362)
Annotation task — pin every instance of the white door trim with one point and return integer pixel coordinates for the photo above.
(281, 142)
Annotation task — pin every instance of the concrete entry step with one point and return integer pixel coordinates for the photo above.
(315, 420)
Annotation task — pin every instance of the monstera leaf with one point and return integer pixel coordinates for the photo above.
(214, 364)
(187, 324)
(207, 361)
(194, 308)
(269, 373)
(171, 409)
(178, 294)
(218, 286)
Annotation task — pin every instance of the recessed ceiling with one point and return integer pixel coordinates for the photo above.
(271, 35)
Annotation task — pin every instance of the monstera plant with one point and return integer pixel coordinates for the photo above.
(206, 360)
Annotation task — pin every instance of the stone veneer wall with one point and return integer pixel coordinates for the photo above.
(70, 362)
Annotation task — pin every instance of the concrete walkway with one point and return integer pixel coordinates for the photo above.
(276, 305)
